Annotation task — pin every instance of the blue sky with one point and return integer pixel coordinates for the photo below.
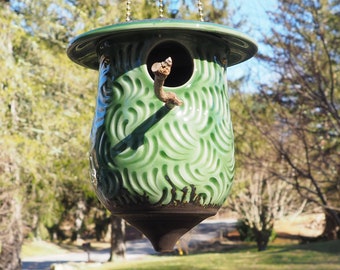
(254, 12)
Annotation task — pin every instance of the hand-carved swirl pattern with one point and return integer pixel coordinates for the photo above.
(144, 152)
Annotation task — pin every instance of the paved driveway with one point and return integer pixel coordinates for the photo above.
(136, 249)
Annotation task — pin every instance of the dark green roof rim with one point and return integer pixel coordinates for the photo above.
(90, 39)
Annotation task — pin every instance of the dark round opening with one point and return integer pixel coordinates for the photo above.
(182, 63)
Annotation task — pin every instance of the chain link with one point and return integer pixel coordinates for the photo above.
(200, 10)
(128, 11)
(161, 8)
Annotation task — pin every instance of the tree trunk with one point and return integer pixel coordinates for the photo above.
(262, 238)
(102, 223)
(117, 238)
(332, 225)
(11, 236)
(79, 219)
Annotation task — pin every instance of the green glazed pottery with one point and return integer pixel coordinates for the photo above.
(162, 168)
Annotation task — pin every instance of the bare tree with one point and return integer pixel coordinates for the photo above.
(305, 101)
(260, 199)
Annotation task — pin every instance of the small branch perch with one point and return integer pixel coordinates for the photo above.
(161, 70)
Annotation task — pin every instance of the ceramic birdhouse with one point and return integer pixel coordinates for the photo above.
(162, 148)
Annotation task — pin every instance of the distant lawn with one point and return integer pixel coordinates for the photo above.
(325, 255)
(40, 248)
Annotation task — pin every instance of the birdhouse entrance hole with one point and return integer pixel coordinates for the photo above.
(182, 61)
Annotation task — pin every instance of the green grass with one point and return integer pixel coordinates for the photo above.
(38, 248)
(319, 256)
(41, 248)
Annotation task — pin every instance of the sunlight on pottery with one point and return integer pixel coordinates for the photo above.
(162, 145)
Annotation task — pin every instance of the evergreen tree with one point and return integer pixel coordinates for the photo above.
(46, 109)
(45, 117)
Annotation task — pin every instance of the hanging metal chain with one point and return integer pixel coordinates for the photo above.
(200, 10)
(128, 11)
(161, 8)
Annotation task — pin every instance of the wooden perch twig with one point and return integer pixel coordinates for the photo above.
(161, 71)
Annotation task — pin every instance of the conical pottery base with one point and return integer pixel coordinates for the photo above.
(165, 228)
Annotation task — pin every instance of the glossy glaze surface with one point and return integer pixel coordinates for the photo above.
(143, 152)
(162, 168)
(82, 49)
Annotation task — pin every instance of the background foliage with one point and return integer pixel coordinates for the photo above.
(47, 102)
